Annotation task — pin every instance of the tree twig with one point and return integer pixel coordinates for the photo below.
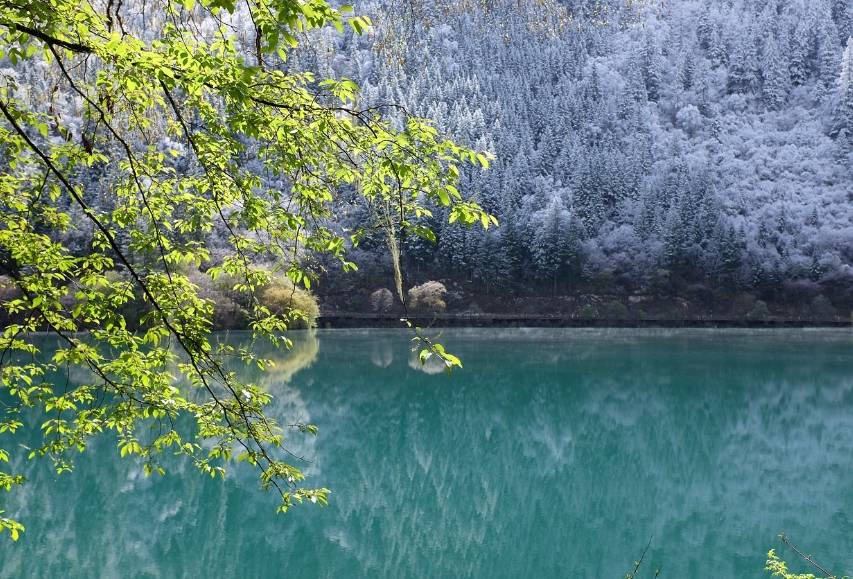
(633, 573)
(807, 558)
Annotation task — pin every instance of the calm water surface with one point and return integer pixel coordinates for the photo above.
(553, 454)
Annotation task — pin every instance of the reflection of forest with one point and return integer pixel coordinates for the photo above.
(578, 450)
(288, 405)
(550, 455)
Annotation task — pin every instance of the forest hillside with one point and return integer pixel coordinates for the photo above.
(651, 158)
(699, 150)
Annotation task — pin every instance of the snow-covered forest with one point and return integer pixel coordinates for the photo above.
(639, 144)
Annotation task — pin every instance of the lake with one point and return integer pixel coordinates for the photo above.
(552, 454)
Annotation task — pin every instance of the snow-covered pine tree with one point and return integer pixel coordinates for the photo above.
(842, 126)
(652, 70)
(687, 74)
(842, 14)
(775, 84)
(743, 65)
(704, 26)
(827, 55)
(798, 54)
(549, 244)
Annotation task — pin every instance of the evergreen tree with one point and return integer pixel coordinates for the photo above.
(743, 66)
(775, 75)
(718, 51)
(703, 88)
(731, 252)
(827, 58)
(652, 71)
(688, 70)
(798, 55)
(573, 250)
(635, 82)
(815, 269)
(704, 27)
(843, 117)
(550, 250)
(842, 15)
(492, 271)
(813, 220)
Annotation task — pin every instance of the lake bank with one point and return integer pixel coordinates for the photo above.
(454, 305)
(368, 320)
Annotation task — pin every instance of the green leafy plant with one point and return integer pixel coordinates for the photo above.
(778, 568)
(192, 125)
(283, 297)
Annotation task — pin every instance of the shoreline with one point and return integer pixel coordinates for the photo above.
(362, 320)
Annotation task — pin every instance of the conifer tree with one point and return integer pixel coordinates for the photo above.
(827, 57)
(743, 65)
(798, 54)
(652, 71)
(704, 27)
(842, 14)
(843, 118)
(775, 75)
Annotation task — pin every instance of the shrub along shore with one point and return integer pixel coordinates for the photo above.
(433, 302)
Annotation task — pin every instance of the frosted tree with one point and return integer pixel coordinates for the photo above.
(827, 56)
(842, 127)
(550, 250)
(718, 51)
(704, 88)
(798, 55)
(842, 14)
(652, 70)
(775, 74)
(566, 110)
(687, 74)
(704, 27)
(743, 65)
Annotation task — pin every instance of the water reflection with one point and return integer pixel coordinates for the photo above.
(382, 352)
(553, 454)
(431, 366)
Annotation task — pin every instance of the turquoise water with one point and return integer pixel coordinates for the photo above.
(553, 454)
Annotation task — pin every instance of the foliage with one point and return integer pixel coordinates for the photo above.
(228, 311)
(778, 568)
(139, 135)
(284, 298)
(428, 297)
(381, 300)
